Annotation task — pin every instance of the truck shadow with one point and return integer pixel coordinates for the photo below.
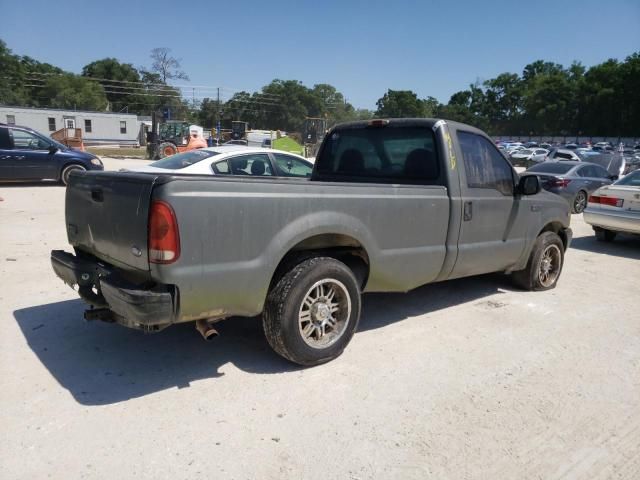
(627, 246)
(102, 364)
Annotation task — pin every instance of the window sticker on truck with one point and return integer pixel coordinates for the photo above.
(452, 154)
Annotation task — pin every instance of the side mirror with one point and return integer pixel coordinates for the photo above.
(529, 185)
(52, 149)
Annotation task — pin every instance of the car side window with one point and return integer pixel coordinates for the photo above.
(584, 171)
(291, 166)
(256, 165)
(221, 168)
(27, 141)
(5, 140)
(563, 156)
(485, 167)
(599, 172)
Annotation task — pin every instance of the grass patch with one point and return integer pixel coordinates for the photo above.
(118, 152)
(288, 145)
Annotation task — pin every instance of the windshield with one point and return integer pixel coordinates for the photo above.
(632, 179)
(182, 160)
(551, 167)
(525, 152)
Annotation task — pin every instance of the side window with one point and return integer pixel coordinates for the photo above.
(6, 142)
(221, 168)
(123, 126)
(485, 167)
(87, 126)
(563, 156)
(256, 165)
(27, 141)
(290, 166)
(584, 171)
(600, 172)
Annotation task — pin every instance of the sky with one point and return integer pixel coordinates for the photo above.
(363, 48)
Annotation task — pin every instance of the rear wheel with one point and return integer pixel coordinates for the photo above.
(313, 311)
(579, 202)
(603, 235)
(545, 264)
(166, 149)
(64, 176)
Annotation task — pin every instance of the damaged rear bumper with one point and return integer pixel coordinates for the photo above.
(144, 307)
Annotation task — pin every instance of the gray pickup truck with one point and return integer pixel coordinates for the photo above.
(391, 205)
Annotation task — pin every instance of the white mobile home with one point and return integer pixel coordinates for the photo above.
(98, 128)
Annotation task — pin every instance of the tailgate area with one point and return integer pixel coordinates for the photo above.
(107, 215)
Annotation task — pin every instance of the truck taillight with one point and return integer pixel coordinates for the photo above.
(164, 238)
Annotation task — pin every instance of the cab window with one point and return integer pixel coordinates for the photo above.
(484, 165)
(255, 165)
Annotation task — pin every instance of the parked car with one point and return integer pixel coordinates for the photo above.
(571, 146)
(615, 208)
(27, 155)
(237, 142)
(232, 160)
(527, 157)
(530, 144)
(574, 181)
(562, 154)
(546, 146)
(391, 205)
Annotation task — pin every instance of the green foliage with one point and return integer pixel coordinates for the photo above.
(399, 104)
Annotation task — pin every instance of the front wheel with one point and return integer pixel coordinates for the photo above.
(166, 149)
(545, 264)
(64, 177)
(313, 311)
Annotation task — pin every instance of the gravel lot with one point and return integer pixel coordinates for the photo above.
(463, 380)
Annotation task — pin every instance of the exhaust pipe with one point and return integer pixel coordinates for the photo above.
(206, 329)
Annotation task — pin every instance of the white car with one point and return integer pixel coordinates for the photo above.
(529, 155)
(615, 208)
(232, 160)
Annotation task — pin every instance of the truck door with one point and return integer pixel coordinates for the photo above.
(492, 231)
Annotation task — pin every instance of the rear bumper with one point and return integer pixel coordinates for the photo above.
(136, 306)
(623, 221)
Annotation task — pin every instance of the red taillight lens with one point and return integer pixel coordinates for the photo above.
(611, 201)
(164, 238)
(560, 182)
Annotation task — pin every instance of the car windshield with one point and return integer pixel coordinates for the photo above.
(632, 179)
(182, 160)
(525, 152)
(551, 167)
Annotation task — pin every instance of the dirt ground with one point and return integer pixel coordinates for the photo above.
(468, 379)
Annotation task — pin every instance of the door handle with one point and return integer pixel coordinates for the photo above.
(468, 211)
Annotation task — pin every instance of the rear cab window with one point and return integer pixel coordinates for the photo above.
(380, 154)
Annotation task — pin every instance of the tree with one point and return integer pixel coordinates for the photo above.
(399, 104)
(166, 66)
(121, 82)
(73, 92)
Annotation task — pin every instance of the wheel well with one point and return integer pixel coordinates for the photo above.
(343, 248)
(558, 229)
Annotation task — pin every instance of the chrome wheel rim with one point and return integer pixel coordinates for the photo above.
(549, 267)
(324, 313)
(580, 202)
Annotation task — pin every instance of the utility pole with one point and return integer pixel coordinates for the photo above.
(218, 116)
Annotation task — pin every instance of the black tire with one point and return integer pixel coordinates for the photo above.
(603, 235)
(579, 202)
(166, 149)
(283, 313)
(66, 171)
(532, 276)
